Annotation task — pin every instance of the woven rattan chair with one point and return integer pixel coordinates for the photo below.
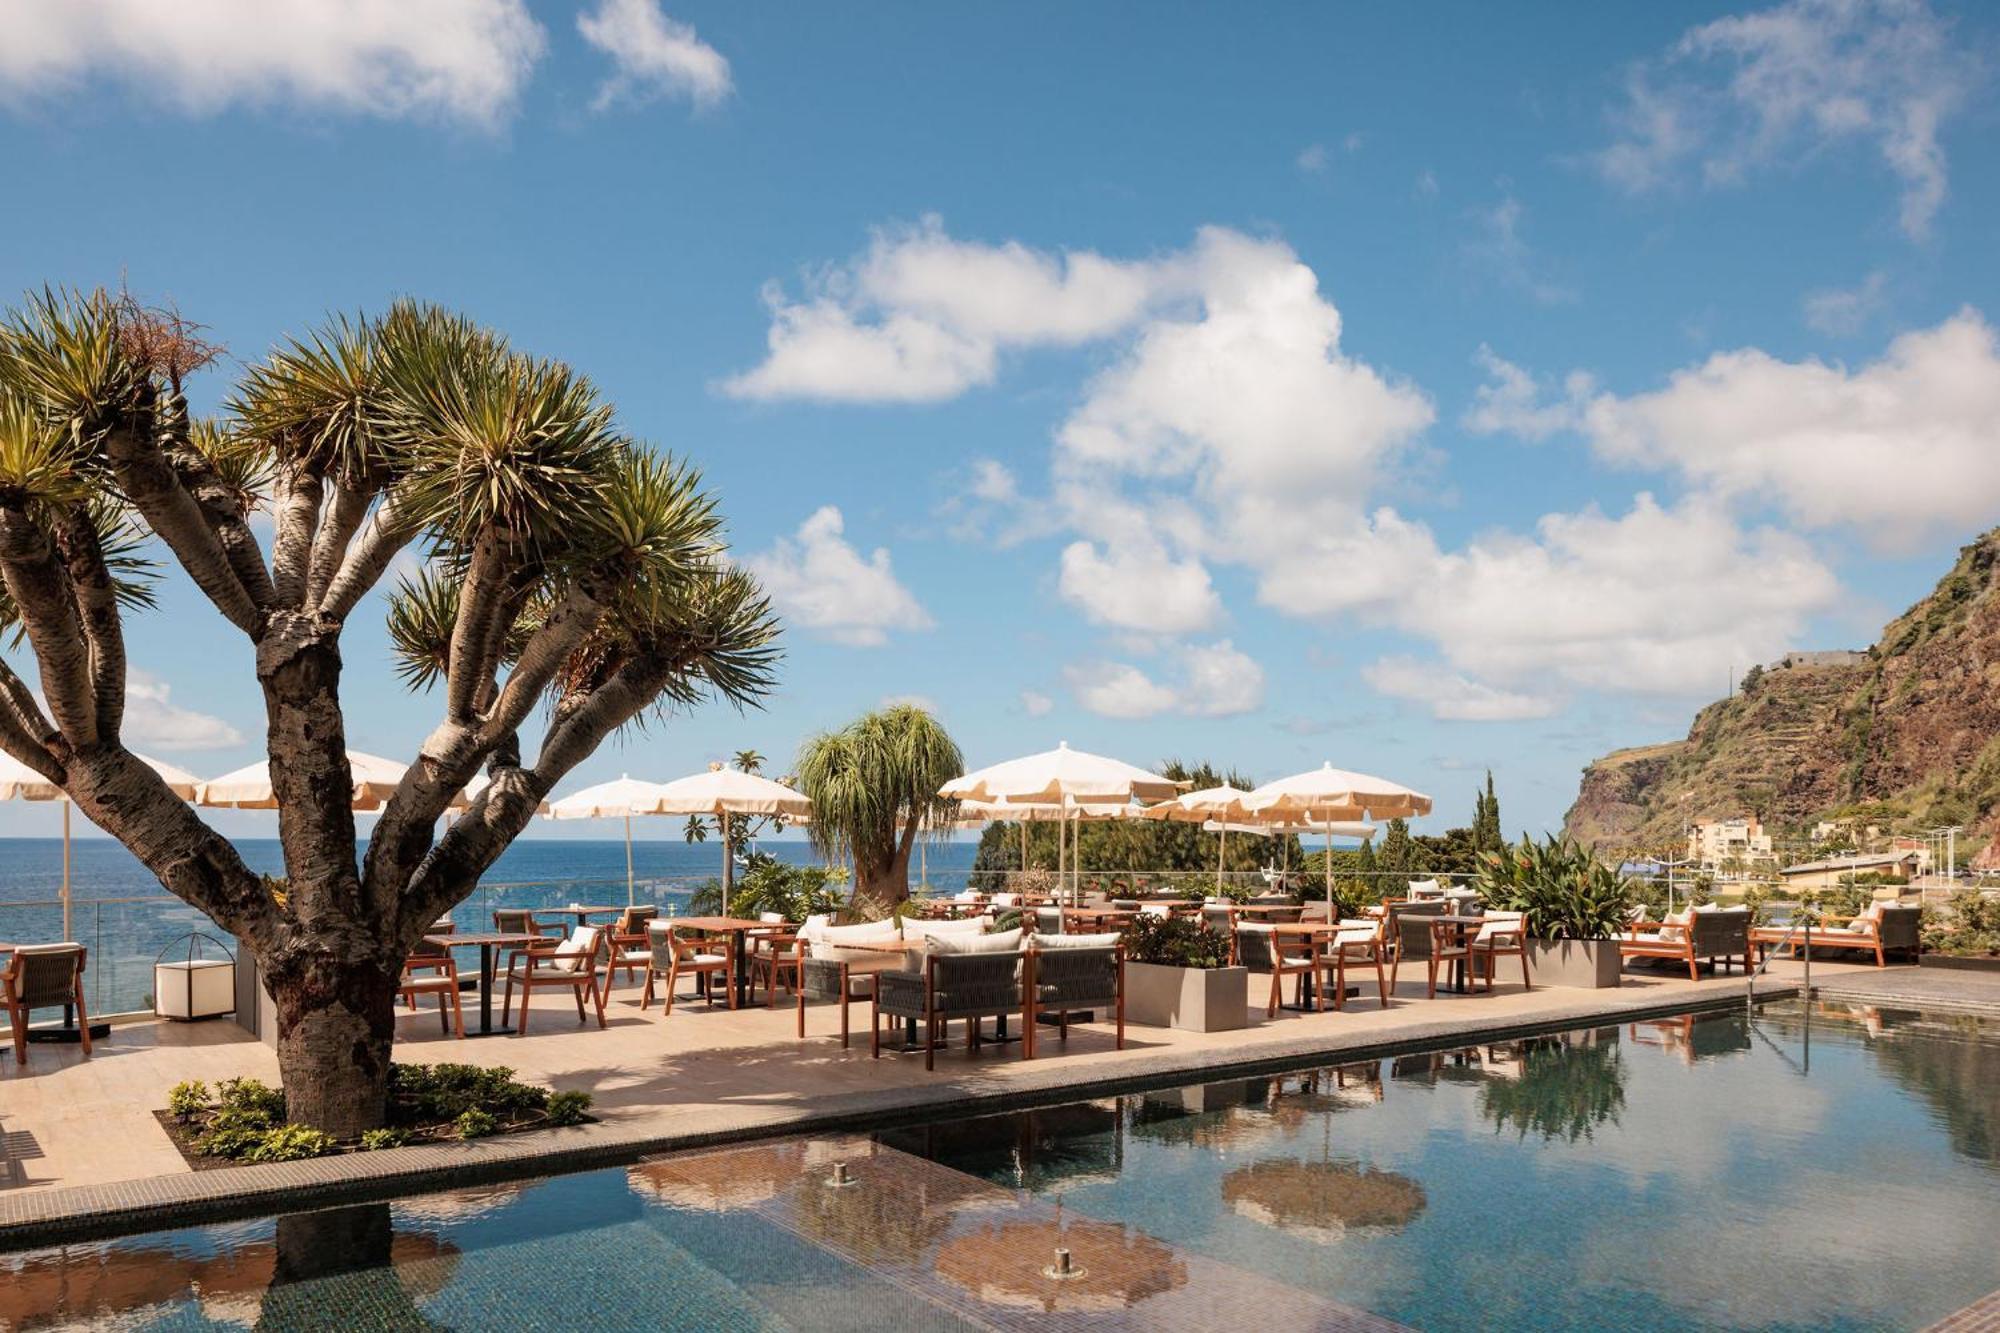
(44, 976)
(969, 986)
(629, 951)
(675, 954)
(1068, 981)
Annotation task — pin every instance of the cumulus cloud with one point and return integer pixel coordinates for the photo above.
(923, 317)
(1036, 704)
(1452, 696)
(1782, 84)
(154, 721)
(1893, 449)
(1138, 586)
(459, 60)
(1511, 402)
(1211, 680)
(652, 55)
(817, 579)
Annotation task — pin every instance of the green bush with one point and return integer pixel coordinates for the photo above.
(475, 1124)
(422, 1094)
(290, 1143)
(187, 1100)
(375, 1140)
(770, 885)
(251, 1096)
(1564, 891)
(1173, 941)
(230, 1141)
(567, 1108)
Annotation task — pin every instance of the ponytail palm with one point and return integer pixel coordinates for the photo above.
(874, 788)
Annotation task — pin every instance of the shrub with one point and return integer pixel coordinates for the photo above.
(1172, 941)
(290, 1143)
(1564, 891)
(230, 1141)
(475, 1124)
(1009, 919)
(770, 885)
(187, 1100)
(375, 1140)
(567, 1108)
(251, 1096)
(430, 1093)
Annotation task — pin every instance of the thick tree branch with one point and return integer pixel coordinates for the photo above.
(482, 601)
(17, 740)
(298, 664)
(297, 514)
(218, 504)
(39, 585)
(97, 603)
(19, 708)
(559, 635)
(387, 533)
(344, 513)
(155, 490)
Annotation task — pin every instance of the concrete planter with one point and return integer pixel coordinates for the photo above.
(1194, 999)
(1584, 964)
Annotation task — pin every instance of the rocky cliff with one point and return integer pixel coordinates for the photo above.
(1907, 733)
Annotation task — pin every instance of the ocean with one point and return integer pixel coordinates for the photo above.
(128, 921)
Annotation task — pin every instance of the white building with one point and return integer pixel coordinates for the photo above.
(1716, 845)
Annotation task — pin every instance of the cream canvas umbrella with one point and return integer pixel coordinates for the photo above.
(621, 798)
(1063, 777)
(725, 792)
(1205, 807)
(1329, 795)
(249, 787)
(19, 782)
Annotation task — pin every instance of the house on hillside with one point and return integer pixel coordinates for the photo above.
(1719, 845)
(1829, 874)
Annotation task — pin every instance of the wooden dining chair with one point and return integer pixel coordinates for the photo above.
(777, 957)
(573, 963)
(44, 976)
(629, 950)
(675, 955)
(1356, 944)
(1503, 935)
(1293, 956)
(435, 974)
(1449, 945)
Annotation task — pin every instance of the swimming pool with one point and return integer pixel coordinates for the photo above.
(1795, 1168)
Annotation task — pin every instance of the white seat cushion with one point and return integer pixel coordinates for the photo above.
(865, 930)
(1003, 941)
(1499, 923)
(1103, 941)
(914, 929)
(853, 954)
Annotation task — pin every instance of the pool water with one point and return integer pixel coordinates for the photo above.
(1793, 1168)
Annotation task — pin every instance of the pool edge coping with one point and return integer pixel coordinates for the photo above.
(82, 1213)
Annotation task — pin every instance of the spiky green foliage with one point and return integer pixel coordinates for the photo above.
(1564, 890)
(422, 612)
(61, 351)
(874, 783)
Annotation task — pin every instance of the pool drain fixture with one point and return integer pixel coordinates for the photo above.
(1062, 1270)
(841, 1178)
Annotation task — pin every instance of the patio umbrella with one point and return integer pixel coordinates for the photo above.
(1063, 777)
(19, 782)
(723, 792)
(1321, 1201)
(1329, 795)
(1112, 1267)
(1206, 807)
(725, 1180)
(619, 799)
(249, 787)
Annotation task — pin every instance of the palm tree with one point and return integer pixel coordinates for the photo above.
(874, 788)
(574, 580)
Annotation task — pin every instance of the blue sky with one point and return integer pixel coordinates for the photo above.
(1421, 391)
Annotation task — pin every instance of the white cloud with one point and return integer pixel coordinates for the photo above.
(1138, 586)
(1785, 83)
(1211, 680)
(1511, 403)
(1895, 449)
(1501, 249)
(1843, 312)
(820, 581)
(922, 317)
(154, 721)
(1427, 184)
(1451, 696)
(1036, 704)
(1118, 689)
(653, 55)
(993, 482)
(461, 60)
(1312, 159)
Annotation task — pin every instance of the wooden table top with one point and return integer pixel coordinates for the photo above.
(580, 911)
(493, 937)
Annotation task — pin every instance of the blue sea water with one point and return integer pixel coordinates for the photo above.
(126, 918)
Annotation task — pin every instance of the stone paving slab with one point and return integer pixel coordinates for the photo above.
(1915, 988)
(731, 1093)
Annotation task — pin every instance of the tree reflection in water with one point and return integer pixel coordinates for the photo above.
(1564, 1087)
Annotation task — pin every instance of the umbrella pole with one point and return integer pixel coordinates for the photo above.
(728, 862)
(1221, 847)
(65, 887)
(1329, 872)
(629, 898)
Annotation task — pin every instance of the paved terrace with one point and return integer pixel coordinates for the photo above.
(80, 1139)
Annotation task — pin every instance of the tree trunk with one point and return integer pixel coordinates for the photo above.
(336, 1021)
(879, 885)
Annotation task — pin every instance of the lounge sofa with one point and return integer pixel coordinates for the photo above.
(1717, 936)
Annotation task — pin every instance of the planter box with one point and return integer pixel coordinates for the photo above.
(1584, 964)
(1959, 962)
(1194, 999)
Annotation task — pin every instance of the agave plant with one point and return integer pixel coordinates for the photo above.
(1563, 890)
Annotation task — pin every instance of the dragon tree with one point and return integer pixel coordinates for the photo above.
(573, 582)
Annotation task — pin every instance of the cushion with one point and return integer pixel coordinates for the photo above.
(849, 950)
(1498, 923)
(1006, 900)
(1425, 888)
(1156, 909)
(772, 918)
(866, 930)
(914, 929)
(966, 896)
(1718, 907)
(636, 956)
(1105, 941)
(1001, 941)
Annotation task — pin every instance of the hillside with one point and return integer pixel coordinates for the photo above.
(1911, 726)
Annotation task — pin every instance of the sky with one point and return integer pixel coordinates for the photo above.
(1421, 390)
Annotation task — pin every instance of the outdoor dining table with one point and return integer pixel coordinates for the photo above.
(1097, 918)
(583, 914)
(488, 943)
(738, 928)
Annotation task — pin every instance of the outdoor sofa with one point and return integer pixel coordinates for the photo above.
(1718, 936)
